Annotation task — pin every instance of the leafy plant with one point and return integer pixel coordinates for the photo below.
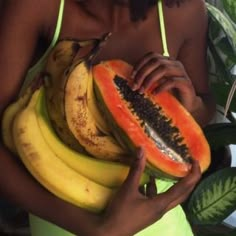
(220, 134)
(214, 199)
(215, 233)
(222, 54)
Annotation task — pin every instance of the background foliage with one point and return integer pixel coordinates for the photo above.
(214, 199)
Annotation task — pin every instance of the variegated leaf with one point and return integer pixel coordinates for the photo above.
(222, 51)
(224, 48)
(230, 8)
(214, 199)
(224, 22)
(220, 75)
(220, 69)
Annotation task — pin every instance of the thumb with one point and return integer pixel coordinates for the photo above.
(137, 167)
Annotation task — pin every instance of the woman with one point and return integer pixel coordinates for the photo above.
(138, 36)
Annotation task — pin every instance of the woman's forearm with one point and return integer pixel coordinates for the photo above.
(204, 109)
(19, 187)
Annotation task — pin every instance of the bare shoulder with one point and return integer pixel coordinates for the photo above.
(193, 11)
(191, 17)
(34, 13)
(193, 5)
(22, 24)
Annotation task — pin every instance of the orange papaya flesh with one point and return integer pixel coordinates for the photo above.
(169, 135)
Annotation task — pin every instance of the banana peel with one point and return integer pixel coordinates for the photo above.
(106, 173)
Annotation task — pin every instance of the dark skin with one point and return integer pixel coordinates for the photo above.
(23, 26)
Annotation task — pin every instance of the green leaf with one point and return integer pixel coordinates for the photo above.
(223, 47)
(220, 134)
(214, 28)
(212, 230)
(215, 234)
(221, 54)
(220, 69)
(224, 22)
(221, 91)
(214, 198)
(232, 233)
(230, 8)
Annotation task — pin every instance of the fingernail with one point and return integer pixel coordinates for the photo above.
(140, 153)
(141, 90)
(134, 87)
(133, 74)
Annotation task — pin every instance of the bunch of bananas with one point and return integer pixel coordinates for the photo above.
(28, 129)
(72, 105)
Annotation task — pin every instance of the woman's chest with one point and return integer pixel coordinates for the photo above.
(130, 46)
(133, 45)
(130, 42)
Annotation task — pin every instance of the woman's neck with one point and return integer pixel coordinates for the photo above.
(114, 15)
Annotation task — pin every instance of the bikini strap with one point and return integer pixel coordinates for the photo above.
(59, 24)
(35, 70)
(55, 36)
(163, 30)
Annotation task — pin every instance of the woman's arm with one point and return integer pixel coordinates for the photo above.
(193, 56)
(187, 74)
(21, 26)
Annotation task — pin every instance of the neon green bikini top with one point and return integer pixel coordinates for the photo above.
(33, 71)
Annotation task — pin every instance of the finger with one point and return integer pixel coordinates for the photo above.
(144, 60)
(143, 72)
(180, 191)
(183, 189)
(151, 189)
(185, 186)
(145, 66)
(142, 190)
(180, 83)
(184, 90)
(152, 80)
(133, 179)
(162, 69)
(192, 181)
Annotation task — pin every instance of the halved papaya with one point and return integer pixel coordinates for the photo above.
(159, 123)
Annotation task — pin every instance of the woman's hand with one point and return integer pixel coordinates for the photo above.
(129, 202)
(157, 73)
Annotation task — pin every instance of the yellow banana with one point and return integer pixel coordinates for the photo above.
(63, 56)
(99, 118)
(9, 116)
(110, 174)
(93, 108)
(50, 170)
(57, 63)
(81, 121)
